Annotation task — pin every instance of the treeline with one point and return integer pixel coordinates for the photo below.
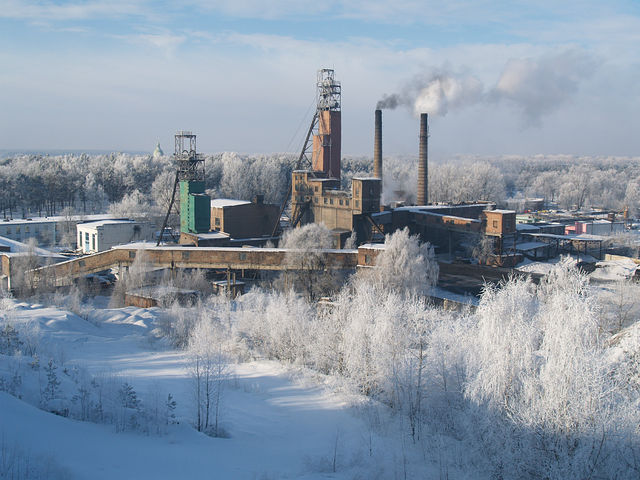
(37, 185)
(33, 185)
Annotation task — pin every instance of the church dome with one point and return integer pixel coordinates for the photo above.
(158, 151)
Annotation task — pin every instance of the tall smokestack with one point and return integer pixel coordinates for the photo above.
(377, 146)
(423, 172)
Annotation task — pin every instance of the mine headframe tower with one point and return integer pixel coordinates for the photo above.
(190, 165)
(323, 137)
(327, 141)
(195, 205)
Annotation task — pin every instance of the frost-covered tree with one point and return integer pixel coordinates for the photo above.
(405, 265)
(541, 381)
(308, 270)
(134, 205)
(208, 367)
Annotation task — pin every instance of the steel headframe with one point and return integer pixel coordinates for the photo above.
(189, 163)
(329, 91)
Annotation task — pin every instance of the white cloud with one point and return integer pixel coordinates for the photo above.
(52, 11)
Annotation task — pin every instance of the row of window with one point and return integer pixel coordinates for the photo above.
(27, 229)
(87, 240)
(342, 201)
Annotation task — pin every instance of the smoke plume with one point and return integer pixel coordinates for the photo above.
(537, 87)
(435, 93)
(534, 87)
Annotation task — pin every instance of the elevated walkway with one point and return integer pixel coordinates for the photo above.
(63, 274)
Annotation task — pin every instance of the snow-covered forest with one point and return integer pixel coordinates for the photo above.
(138, 185)
(540, 381)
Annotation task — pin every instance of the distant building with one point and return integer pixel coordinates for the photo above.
(157, 153)
(243, 219)
(99, 236)
(599, 227)
(45, 230)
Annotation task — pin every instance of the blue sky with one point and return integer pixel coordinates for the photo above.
(497, 77)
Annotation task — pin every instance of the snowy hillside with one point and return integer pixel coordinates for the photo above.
(278, 425)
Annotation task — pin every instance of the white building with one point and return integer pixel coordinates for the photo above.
(99, 236)
(45, 230)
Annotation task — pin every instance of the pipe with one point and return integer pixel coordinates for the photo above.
(377, 146)
(423, 161)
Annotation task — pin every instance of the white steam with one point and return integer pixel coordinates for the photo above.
(436, 93)
(447, 92)
(535, 87)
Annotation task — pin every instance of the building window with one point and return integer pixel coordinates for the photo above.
(316, 199)
(17, 229)
(341, 202)
(217, 221)
(331, 201)
(367, 259)
(185, 255)
(132, 254)
(26, 229)
(86, 239)
(93, 238)
(243, 256)
(347, 202)
(80, 239)
(325, 200)
(315, 189)
(357, 204)
(495, 224)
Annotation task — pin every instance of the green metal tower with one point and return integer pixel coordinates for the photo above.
(195, 205)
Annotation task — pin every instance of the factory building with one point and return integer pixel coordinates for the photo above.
(243, 219)
(45, 230)
(315, 194)
(94, 237)
(319, 200)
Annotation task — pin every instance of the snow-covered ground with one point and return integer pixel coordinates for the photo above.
(280, 423)
(606, 270)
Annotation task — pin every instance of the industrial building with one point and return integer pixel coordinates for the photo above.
(315, 194)
(195, 205)
(243, 219)
(94, 237)
(16, 258)
(47, 231)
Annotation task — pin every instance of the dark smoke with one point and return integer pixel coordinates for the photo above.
(389, 102)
